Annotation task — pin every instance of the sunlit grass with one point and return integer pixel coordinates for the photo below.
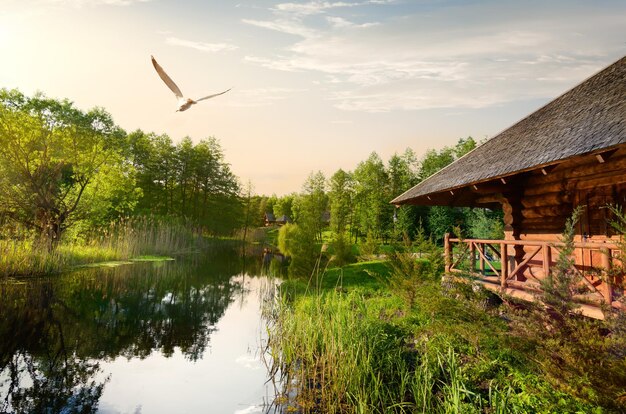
(139, 239)
(344, 343)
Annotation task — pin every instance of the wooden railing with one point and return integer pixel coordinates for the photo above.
(521, 264)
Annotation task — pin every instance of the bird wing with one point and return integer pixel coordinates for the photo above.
(213, 96)
(168, 81)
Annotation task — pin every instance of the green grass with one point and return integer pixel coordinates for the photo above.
(344, 343)
(140, 239)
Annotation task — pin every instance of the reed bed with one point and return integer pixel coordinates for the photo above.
(344, 348)
(339, 354)
(123, 240)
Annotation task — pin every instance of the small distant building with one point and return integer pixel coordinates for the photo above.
(282, 220)
(269, 219)
(570, 153)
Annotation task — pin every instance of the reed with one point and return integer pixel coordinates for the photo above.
(353, 349)
(123, 240)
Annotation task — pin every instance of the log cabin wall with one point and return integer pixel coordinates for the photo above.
(549, 196)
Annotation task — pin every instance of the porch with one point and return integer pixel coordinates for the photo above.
(516, 267)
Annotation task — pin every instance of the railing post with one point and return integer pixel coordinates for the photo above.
(607, 288)
(447, 252)
(504, 265)
(472, 249)
(547, 258)
(482, 249)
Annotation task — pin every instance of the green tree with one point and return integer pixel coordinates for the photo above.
(312, 204)
(373, 211)
(340, 199)
(51, 155)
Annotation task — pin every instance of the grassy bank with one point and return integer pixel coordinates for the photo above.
(137, 239)
(344, 343)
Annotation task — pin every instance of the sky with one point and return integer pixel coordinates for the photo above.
(317, 85)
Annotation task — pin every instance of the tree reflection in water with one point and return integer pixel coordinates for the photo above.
(54, 332)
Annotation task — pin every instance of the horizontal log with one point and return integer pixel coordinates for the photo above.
(560, 210)
(608, 179)
(584, 167)
(548, 199)
(543, 188)
(588, 245)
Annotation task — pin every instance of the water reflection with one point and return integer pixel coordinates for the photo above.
(65, 340)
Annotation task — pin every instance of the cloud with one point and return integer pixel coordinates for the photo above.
(317, 7)
(249, 98)
(468, 56)
(341, 23)
(201, 46)
(80, 3)
(293, 27)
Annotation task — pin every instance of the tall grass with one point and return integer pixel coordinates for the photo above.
(348, 348)
(341, 354)
(122, 240)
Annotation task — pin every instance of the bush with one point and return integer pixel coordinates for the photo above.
(298, 244)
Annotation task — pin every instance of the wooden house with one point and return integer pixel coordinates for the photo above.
(569, 153)
(282, 220)
(270, 220)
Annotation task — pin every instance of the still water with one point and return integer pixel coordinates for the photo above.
(169, 337)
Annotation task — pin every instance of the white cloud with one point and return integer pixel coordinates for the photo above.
(293, 27)
(249, 98)
(80, 3)
(317, 7)
(202, 46)
(341, 23)
(459, 57)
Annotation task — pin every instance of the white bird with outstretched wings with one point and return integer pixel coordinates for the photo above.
(183, 103)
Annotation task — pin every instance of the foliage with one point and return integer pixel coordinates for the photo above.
(58, 163)
(298, 243)
(411, 268)
(369, 248)
(580, 356)
(560, 286)
(120, 240)
(186, 180)
(353, 348)
(341, 249)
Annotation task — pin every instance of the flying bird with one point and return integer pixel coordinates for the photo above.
(183, 103)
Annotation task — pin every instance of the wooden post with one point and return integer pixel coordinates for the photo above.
(504, 265)
(472, 249)
(547, 258)
(481, 246)
(447, 252)
(606, 287)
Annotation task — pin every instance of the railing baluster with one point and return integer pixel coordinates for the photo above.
(447, 251)
(504, 265)
(547, 258)
(607, 288)
(472, 263)
(481, 246)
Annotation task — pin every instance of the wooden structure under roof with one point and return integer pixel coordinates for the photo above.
(569, 153)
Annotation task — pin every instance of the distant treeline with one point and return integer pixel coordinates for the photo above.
(64, 171)
(358, 201)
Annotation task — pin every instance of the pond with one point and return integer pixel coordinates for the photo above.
(182, 336)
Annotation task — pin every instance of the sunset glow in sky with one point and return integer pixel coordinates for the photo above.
(317, 85)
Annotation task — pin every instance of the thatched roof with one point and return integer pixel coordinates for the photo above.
(586, 119)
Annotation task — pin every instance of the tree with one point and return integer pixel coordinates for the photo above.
(373, 211)
(51, 154)
(340, 199)
(312, 204)
(283, 206)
